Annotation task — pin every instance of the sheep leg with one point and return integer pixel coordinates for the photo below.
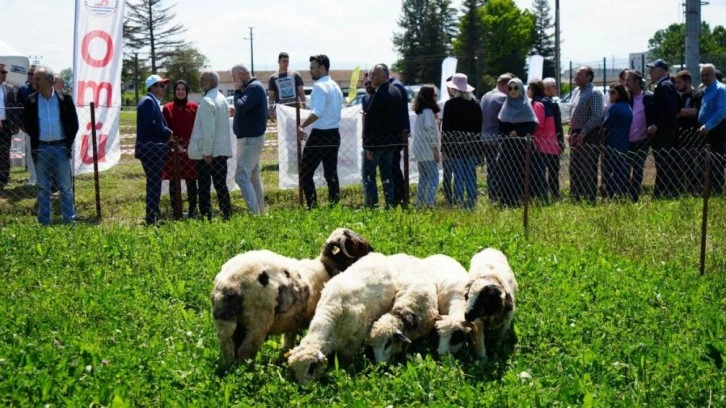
(288, 341)
(254, 339)
(479, 346)
(225, 331)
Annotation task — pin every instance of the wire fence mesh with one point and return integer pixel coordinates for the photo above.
(472, 169)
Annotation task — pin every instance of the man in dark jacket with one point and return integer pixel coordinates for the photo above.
(152, 136)
(51, 121)
(666, 104)
(8, 124)
(381, 136)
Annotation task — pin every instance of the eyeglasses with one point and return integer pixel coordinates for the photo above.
(4, 72)
(513, 88)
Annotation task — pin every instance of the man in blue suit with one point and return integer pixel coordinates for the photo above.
(152, 135)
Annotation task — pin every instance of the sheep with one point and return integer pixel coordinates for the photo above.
(348, 306)
(412, 316)
(261, 292)
(450, 279)
(490, 296)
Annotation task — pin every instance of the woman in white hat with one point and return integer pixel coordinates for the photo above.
(461, 130)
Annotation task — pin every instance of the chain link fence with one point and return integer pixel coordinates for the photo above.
(502, 170)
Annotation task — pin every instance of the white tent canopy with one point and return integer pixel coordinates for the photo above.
(15, 63)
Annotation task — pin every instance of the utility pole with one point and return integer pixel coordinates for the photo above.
(693, 34)
(558, 71)
(252, 53)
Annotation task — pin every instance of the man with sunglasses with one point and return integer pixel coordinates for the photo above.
(152, 136)
(8, 125)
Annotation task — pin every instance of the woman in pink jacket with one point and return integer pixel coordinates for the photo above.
(547, 148)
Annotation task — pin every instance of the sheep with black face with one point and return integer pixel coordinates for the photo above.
(261, 292)
(490, 296)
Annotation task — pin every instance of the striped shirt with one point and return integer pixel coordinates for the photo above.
(586, 109)
(713, 105)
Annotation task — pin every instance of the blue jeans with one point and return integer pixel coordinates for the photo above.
(152, 156)
(247, 174)
(465, 180)
(428, 183)
(382, 159)
(53, 161)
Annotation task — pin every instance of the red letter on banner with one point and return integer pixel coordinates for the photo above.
(87, 157)
(102, 35)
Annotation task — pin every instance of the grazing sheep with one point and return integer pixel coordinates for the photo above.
(348, 306)
(451, 279)
(490, 296)
(414, 312)
(260, 292)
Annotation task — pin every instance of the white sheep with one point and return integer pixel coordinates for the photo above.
(490, 296)
(348, 306)
(260, 292)
(413, 314)
(450, 279)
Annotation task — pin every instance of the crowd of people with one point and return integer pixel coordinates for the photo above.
(183, 140)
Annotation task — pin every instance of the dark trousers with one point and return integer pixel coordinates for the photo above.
(152, 156)
(691, 159)
(5, 140)
(322, 146)
(637, 153)
(397, 177)
(717, 139)
(446, 183)
(511, 167)
(616, 166)
(191, 195)
(665, 155)
(583, 171)
(491, 152)
(545, 179)
(216, 173)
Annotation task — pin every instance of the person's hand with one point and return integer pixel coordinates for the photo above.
(575, 140)
(703, 131)
(437, 156)
(238, 83)
(301, 135)
(208, 159)
(652, 129)
(513, 133)
(369, 155)
(231, 111)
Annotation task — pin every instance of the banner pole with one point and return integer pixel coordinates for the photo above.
(94, 143)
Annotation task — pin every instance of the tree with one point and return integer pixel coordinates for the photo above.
(66, 75)
(186, 63)
(508, 37)
(429, 26)
(669, 43)
(467, 45)
(148, 25)
(544, 37)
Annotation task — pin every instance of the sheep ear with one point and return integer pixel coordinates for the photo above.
(288, 354)
(508, 303)
(402, 338)
(321, 357)
(466, 323)
(335, 250)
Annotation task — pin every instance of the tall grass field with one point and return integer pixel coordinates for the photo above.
(611, 312)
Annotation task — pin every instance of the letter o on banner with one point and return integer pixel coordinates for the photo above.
(103, 36)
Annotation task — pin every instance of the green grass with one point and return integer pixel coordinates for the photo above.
(611, 311)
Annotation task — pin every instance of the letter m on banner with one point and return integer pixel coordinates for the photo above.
(97, 64)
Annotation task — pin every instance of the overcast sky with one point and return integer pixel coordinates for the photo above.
(350, 33)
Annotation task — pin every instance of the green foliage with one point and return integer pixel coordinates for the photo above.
(544, 36)
(611, 311)
(669, 44)
(467, 46)
(148, 26)
(508, 35)
(429, 26)
(186, 63)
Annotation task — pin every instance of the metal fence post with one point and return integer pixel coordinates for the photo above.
(94, 143)
(704, 217)
(527, 178)
(299, 156)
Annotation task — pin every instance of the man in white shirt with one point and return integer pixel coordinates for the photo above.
(323, 143)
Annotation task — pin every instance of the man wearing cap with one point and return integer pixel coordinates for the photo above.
(152, 136)
(8, 125)
(712, 117)
(51, 121)
(666, 105)
(285, 87)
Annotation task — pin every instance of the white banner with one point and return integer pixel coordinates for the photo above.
(350, 154)
(448, 68)
(97, 64)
